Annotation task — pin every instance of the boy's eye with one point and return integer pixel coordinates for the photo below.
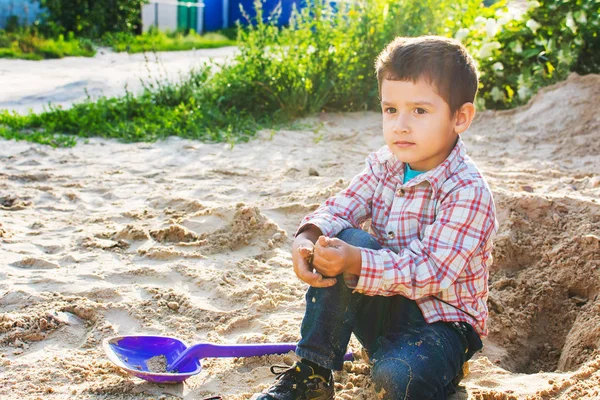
(420, 111)
(390, 110)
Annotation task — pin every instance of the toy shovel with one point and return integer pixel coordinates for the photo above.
(164, 359)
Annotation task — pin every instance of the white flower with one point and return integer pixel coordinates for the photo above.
(479, 21)
(504, 17)
(496, 94)
(461, 34)
(480, 103)
(564, 57)
(523, 92)
(570, 22)
(498, 69)
(581, 18)
(490, 27)
(518, 47)
(533, 25)
(488, 49)
(532, 4)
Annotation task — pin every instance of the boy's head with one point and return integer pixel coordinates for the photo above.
(442, 62)
(427, 87)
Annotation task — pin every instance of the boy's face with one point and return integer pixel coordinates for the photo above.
(417, 125)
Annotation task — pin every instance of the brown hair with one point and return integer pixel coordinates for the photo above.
(443, 62)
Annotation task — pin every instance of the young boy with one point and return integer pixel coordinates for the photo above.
(413, 291)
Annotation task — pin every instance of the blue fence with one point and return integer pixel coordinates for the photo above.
(268, 7)
(26, 11)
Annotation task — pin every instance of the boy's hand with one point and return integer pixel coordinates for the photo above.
(333, 256)
(302, 254)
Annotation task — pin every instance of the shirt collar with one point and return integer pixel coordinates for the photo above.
(437, 176)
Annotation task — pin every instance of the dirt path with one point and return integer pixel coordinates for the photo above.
(33, 84)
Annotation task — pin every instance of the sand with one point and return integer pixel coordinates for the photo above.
(193, 240)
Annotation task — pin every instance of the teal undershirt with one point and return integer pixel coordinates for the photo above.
(410, 173)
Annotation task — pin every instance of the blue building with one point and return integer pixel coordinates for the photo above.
(200, 15)
(26, 11)
(209, 15)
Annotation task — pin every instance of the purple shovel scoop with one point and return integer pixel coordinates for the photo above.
(164, 359)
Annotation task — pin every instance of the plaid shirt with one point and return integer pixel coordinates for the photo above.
(436, 231)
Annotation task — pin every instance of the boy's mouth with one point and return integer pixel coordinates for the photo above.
(403, 143)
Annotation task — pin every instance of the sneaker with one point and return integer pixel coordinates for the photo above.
(298, 382)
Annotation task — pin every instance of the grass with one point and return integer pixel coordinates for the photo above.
(162, 110)
(28, 45)
(155, 40)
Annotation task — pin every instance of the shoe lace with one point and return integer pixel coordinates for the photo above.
(280, 370)
(311, 382)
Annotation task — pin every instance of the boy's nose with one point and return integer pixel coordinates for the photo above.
(401, 124)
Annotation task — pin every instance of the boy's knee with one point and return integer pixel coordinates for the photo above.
(359, 238)
(391, 377)
(395, 379)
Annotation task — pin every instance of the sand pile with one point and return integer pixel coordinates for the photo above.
(193, 240)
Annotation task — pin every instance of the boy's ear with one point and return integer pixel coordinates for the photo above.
(463, 118)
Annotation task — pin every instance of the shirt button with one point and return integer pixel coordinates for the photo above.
(391, 235)
(400, 192)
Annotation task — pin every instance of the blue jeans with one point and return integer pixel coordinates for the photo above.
(411, 358)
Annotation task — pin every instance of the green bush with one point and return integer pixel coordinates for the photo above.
(91, 18)
(520, 54)
(26, 43)
(325, 59)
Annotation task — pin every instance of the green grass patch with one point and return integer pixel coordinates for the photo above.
(155, 40)
(29, 45)
(163, 109)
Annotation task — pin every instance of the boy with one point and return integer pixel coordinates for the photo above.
(414, 292)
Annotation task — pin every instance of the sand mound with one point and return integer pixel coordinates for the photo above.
(131, 233)
(35, 263)
(246, 226)
(558, 125)
(167, 253)
(177, 206)
(173, 234)
(538, 298)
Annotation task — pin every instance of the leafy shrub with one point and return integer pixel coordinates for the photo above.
(91, 18)
(325, 59)
(28, 44)
(518, 54)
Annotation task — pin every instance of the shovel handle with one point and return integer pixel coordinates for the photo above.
(207, 350)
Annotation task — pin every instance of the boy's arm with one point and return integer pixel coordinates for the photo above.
(466, 222)
(352, 206)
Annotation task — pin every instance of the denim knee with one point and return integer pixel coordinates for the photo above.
(392, 378)
(359, 238)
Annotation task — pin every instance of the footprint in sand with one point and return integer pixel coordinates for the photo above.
(14, 203)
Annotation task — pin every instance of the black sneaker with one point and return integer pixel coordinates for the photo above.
(298, 382)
